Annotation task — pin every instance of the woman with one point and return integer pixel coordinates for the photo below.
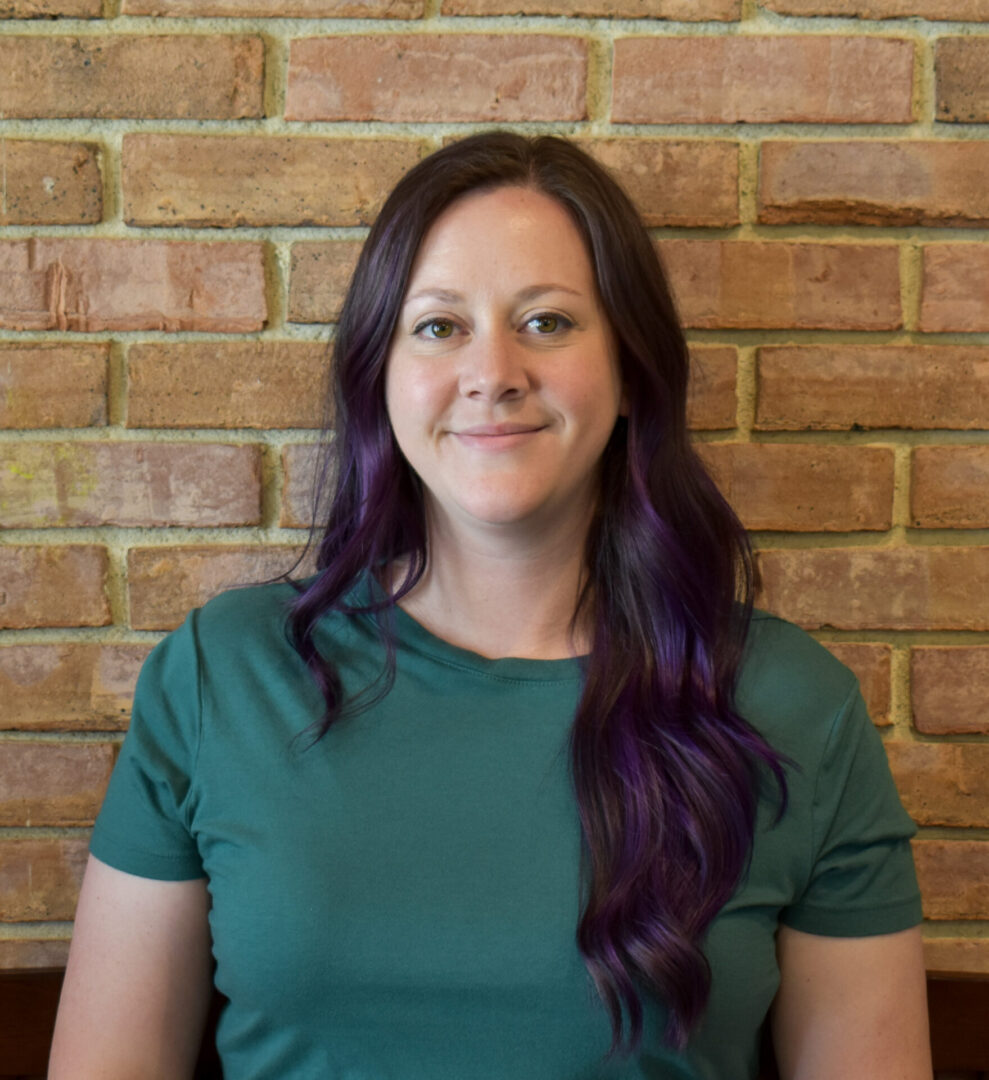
(560, 807)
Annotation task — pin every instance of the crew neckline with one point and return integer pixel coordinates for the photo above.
(412, 636)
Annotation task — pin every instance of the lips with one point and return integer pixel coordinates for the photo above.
(496, 431)
(494, 437)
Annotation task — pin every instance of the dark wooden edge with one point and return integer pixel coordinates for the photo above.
(958, 1007)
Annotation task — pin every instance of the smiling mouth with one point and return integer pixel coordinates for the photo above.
(497, 436)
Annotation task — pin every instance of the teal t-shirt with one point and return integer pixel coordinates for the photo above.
(399, 900)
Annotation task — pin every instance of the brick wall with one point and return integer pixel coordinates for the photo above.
(183, 197)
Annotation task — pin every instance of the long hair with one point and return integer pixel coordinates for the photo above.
(666, 773)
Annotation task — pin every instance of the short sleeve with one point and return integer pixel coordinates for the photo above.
(145, 824)
(862, 879)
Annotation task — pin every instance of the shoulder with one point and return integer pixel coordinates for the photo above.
(790, 687)
(236, 625)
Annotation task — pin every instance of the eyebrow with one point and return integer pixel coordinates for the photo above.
(451, 296)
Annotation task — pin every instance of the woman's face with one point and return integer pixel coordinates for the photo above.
(503, 384)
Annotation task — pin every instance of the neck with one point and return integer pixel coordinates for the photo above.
(501, 595)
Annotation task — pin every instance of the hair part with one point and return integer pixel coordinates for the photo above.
(666, 773)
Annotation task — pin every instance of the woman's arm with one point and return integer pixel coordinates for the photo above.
(851, 1008)
(137, 987)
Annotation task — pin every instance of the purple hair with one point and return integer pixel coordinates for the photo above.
(666, 773)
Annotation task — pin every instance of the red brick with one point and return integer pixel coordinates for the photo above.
(828, 388)
(942, 783)
(188, 76)
(298, 468)
(681, 10)
(255, 384)
(874, 183)
(434, 77)
(711, 391)
(280, 9)
(917, 588)
(964, 10)
(318, 279)
(259, 180)
(166, 583)
(956, 956)
(40, 877)
(68, 686)
(949, 688)
(753, 79)
(25, 954)
(955, 290)
(731, 283)
(953, 877)
(673, 182)
(804, 488)
(962, 72)
(53, 586)
(94, 285)
(135, 484)
(53, 783)
(48, 385)
(50, 183)
(950, 487)
(871, 664)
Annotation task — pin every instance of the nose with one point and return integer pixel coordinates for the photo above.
(494, 368)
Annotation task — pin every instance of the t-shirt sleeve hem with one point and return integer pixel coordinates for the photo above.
(145, 864)
(847, 922)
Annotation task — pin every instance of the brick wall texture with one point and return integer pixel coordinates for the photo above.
(184, 197)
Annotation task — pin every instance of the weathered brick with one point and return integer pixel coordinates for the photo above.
(674, 182)
(166, 583)
(318, 279)
(53, 783)
(188, 76)
(731, 283)
(49, 9)
(298, 471)
(433, 77)
(956, 956)
(963, 10)
(949, 688)
(804, 488)
(94, 285)
(711, 401)
(918, 588)
(754, 79)
(53, 586)
(48, 385)
(942, 783)
(828, 388)
(26, 954)
(953, 877)
(50, 183)
(681, 10)
(136, 484)
(962, 72)
(950, 487)
(68, 686)
(255, 384)
(874, 183)
(40, 877)
(955, 290)
(871, 664)
(280, 9)
(259, 180)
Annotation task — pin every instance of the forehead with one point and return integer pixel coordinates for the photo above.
(508, 231)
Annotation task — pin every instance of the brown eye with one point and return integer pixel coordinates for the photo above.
(545, 324)
(435, 328)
